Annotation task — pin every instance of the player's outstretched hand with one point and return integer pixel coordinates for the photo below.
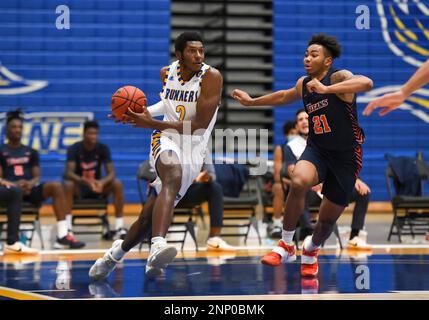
(139, 120)
(387, 102)
(242, 97)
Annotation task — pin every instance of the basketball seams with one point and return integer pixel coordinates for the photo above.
(132, 100)
(128, 100)
(140, 105)
(118, 96)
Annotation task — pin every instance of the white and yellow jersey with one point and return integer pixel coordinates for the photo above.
(180, 104)
(180, 97)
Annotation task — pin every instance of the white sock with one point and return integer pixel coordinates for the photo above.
(62, 228)
(155, 242)
(213, 238)
(310, 246)
(118, 253)
(277, 221)
(69, 221)
(287, 236)
(119, 223)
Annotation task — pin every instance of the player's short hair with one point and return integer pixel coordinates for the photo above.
(15, 114)
(330, 43)
(183, 38)
(90, 124)
(299, 111)
(288, 126)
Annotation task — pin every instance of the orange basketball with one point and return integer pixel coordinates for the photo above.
(127, 97)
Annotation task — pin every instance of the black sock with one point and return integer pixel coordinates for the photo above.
(354, 233)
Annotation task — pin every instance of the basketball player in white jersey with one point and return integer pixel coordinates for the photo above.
(190, 99)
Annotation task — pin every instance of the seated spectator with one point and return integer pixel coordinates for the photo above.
(205, 188)
(11, 198)
(20, 168)
(361, 193)
(275, 228)
(83, 176)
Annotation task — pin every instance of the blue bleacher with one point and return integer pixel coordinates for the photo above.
(364, 52)
(111, 43)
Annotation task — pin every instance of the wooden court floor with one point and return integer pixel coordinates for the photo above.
(383, 273)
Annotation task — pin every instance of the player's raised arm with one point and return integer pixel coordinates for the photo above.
(391, 101)
(344, 84)
(276, 98)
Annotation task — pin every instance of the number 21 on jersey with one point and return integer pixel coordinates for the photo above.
(320, 124)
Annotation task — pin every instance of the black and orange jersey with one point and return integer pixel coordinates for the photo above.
(333, 123)
(17, 163)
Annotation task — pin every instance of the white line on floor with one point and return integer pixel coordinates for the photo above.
(262, 247)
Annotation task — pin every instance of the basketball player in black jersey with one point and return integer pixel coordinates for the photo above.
(333, 154)
(20, 167)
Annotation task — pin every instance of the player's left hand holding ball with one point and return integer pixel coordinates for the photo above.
(139, 120)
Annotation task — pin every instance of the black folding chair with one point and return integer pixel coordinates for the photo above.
(410, 212)
(240, 212)
(92, 217)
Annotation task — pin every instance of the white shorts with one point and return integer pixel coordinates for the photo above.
(191, 157)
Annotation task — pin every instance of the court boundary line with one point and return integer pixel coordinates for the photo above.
(238, 248)
(323, 296)
(17, 294)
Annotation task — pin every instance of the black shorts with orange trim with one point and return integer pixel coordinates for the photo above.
(338, 170)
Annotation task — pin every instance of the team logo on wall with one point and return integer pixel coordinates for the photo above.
(405, 28)
(11, 83)
(50, 131)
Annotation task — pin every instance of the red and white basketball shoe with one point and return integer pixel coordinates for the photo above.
(282, 253)
(309, 264)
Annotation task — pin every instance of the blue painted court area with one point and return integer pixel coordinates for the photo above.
(220, 277)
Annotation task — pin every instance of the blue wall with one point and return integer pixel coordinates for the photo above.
(110, 43)
(364, 52)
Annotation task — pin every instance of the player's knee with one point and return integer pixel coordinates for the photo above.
(300, 184)
(277, 189)
(117, 185)
(56, 188)
(68, 185)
